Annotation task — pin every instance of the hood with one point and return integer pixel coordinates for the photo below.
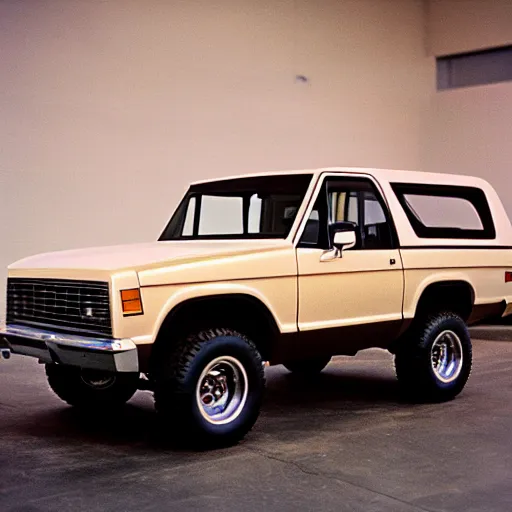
(143, 256)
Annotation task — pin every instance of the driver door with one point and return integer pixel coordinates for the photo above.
(354, 301)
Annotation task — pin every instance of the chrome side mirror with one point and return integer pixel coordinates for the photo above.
(343, 236)
(344, 240)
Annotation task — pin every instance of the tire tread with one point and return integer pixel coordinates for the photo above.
(411, 360)
(171, 385)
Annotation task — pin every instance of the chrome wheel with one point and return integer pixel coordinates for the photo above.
(446, 356)
(97, 379)
(222, 389)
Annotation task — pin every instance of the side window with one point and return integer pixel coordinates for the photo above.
(376, 228)
(446, 211)
(349, 200)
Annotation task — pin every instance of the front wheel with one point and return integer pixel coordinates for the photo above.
(85, 388)
(434, 361)
(208, 391)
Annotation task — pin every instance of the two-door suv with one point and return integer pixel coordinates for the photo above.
(290, 268)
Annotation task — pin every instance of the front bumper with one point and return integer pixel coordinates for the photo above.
(52, 347)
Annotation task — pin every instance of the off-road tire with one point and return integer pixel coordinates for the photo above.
(69, 385)
(307, 367)
(177, 388)
(414, 363)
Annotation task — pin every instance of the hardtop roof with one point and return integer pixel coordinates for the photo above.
(388, 175)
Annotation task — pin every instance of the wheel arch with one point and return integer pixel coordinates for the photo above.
(451, 294)
(239, 310)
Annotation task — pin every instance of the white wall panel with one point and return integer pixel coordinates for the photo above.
(458, 26)
(108, 108)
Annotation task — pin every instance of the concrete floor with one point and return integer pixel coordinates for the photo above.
(345, 442)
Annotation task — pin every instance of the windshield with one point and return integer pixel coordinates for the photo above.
(258, 207)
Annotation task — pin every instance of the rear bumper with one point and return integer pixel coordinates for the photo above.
(52, 347)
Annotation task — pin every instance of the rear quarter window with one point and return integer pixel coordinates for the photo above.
(439, 211)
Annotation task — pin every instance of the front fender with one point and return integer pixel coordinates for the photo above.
(278, 296)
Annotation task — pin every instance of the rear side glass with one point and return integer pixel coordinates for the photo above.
(446, 211)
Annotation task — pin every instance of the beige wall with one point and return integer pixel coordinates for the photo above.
(457, 26)
(108, 108)
(470, 129)
(470, 132)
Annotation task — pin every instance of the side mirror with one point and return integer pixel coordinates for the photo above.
(343, 236)
(344, 240)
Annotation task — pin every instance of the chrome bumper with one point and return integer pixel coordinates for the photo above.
(52, 347)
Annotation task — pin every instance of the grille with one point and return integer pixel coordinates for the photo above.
(66, 305)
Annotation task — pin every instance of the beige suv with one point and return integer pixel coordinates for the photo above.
(288, 268)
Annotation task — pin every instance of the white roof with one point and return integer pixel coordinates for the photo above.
(385, 177)
(389, 175)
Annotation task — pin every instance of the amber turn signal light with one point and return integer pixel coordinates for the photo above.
(132, 302)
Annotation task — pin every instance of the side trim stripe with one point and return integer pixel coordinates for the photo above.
(459, 247)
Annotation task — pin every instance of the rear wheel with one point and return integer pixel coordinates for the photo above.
(82, 387)
(434, 361)
(307, 367)
(208, 391)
